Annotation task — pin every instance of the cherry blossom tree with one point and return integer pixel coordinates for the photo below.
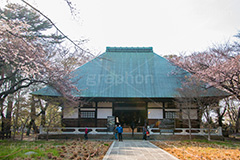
(219, 66)
(194, 96)
(25, 59)
(231, 116)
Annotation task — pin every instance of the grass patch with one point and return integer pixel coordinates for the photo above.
(14, 149)
(53, 149)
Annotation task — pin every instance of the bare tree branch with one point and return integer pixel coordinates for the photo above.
(57, 28)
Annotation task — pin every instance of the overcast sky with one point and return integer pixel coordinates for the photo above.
(169, 26)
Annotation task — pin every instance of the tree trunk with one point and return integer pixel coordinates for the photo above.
(209, 133)
(43, 112)
(29, 127)
(209, 128)
(15, 125)
(3, 123)
(32, 116)
(8, 119)
(2, 114)
(220, 117)
(22, 132)
(36, 130)
(190, 128)
(23, 126)
(47, 134)
(43, 118)
(238, 121)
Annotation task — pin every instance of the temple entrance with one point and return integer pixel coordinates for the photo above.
(129, 114)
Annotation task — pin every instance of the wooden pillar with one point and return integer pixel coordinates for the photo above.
(96, 120)
(164, 115)
(79, 115)
(113, 112)
(181, 116)
(113, 109)
(198, 117)
(146, 114)
(62, 124)
(147, 110)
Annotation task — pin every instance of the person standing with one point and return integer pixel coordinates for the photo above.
(120, 131)
(116, 132)
(132, 127)
(144, 133)
(86, 134)
(148, 134)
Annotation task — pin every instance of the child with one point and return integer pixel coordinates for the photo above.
(86, 134)
(148, 134)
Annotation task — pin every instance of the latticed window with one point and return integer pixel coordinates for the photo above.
(171, 115)
(87, 114)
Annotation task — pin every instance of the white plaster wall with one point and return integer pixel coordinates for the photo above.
(70, 112)
(155, 104)
(104, 104)
(155, 114)
(193, 113)
(103, 113)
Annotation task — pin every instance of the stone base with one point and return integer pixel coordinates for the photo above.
(126, 136)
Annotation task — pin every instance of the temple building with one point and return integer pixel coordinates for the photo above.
(132, 84)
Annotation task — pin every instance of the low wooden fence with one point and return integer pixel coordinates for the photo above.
(153, 131)
(74, 130)
(186, 131)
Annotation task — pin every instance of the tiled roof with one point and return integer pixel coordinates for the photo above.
(125, 72)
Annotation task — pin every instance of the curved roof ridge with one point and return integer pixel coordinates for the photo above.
(130, 49)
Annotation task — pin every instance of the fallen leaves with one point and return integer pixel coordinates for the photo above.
(83, 150)
(185, 150)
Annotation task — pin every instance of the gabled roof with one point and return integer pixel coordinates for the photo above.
(125, 72)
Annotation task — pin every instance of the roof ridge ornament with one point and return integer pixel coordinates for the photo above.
(130, 49)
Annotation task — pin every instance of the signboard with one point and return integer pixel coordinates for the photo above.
(110, 123)
(166, 123)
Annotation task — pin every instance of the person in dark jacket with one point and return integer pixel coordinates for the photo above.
(120, 131)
